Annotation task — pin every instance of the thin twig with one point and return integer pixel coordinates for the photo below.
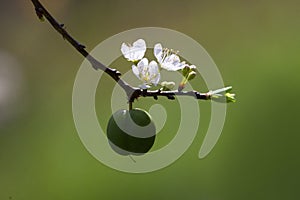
(132, 92)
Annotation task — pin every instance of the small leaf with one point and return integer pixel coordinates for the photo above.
(230, 97)
(222, 90)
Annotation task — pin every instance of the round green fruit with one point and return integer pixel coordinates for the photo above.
(131, 132)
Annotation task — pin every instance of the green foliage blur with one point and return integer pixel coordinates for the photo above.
(256, 46)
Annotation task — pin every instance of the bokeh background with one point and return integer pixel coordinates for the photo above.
(256, 46)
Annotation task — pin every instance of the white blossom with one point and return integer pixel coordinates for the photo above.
(147, 72)
(134, 52)
(168, 59)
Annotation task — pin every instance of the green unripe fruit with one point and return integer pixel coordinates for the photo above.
(131, 132)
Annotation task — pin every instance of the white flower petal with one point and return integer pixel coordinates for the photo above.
(154, 72)
(139, 49)
(143, 65)
(125, 50)
(134, 52)
(153, 67)
(140, 44)
(158, 52)
(156, 79)
(174, 59)
(168, 66)
(136, 71)
(179, 66)
(172, 63)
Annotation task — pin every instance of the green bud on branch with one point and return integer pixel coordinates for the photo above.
(222, 95)
(191, 76)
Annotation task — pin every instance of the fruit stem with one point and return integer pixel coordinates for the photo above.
(130, 105)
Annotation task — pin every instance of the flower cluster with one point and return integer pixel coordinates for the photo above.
(149, 72)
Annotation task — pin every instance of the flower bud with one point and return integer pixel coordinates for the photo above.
(191, 75)
(185, 71)
(167, 85)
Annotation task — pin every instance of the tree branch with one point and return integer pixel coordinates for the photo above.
(132, 92)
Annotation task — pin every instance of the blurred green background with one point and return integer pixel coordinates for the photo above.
(256, 46)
